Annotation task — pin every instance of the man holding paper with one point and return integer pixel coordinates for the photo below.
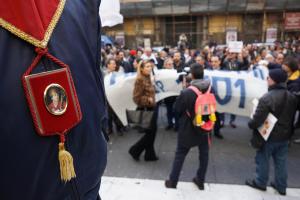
(282, 105)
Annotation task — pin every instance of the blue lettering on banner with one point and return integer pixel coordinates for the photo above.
(228, 91)
(258, 73)
(113, 79)
(241, 83)
(261, 74)
(255, 73)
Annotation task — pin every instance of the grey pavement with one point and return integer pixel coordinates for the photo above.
(114, 188)
(231, 159)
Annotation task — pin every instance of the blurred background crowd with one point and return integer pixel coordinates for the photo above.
(121, 60)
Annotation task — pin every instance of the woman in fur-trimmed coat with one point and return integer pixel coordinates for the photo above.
(144, 98)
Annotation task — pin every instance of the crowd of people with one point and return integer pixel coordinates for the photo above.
(281, 59)
(213, 57)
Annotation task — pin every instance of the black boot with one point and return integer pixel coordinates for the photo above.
(198, 183)
(135, 155)
(169, 127)
(219, 136)
(273, 185)
(253, 184)
(170, 184)
(151, 158)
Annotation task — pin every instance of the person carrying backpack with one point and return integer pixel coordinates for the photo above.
(195, 108)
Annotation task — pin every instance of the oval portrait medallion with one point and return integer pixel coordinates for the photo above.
(55, 99)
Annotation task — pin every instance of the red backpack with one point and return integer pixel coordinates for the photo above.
(205, 105)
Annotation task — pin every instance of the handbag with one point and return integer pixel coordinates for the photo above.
(139, 118)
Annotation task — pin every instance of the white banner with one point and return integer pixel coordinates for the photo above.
(234, 90)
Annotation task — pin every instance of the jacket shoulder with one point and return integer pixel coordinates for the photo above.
(187, 92)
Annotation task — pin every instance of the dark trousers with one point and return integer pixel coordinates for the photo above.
(112, 117)
(170, 111)
(146, 142)
(298, 120)
(217, 127)
(180, 155)
(232, 118)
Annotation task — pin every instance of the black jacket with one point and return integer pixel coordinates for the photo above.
(179, 67)
(293, 85)
(188, 134)
(271, 102)
(235, 65)
(126, 65)
(160, 63)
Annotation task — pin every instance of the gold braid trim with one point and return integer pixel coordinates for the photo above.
(38, 43)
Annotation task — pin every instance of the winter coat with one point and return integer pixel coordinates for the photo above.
(188, 134)
(293, 83)
(235, 65)
(179, 67)
(143, 90)
(29, 167)
(271, 102)
(126, 66)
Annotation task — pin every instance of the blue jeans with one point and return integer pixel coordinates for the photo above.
(279, 151)
(170, 111)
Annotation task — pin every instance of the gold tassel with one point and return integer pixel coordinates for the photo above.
(67, 171)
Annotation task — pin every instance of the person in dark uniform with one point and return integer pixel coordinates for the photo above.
(29, 167)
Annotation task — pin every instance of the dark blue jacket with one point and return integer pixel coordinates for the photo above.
(293, 85)
(29, 168)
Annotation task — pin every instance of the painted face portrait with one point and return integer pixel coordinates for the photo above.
(55, 99)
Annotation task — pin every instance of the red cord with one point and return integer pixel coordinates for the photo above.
(40, 53)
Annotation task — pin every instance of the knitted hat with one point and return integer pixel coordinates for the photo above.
(278, 75)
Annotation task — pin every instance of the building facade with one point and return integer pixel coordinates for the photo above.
(161, 22)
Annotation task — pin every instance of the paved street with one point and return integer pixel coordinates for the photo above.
(231, 160)
(136, 189)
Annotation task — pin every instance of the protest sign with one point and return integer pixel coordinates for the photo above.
(231, 35)
(271, 35)
(235, 46)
